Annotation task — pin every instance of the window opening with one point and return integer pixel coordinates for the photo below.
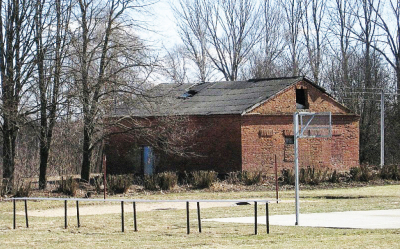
(301, 99)
(289, 139)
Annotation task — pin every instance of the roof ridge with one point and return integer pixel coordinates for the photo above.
(277, 78)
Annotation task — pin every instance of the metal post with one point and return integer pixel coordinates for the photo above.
(77, 213)
(134, 216)
(26, 213)
(65, 214)
(255, 217)
(105, 176)
(267, 217)
(296, 164)
(276, 180)
(122, 216)
(187, 218)
(14, 214)
(198, 216)
(382, 128)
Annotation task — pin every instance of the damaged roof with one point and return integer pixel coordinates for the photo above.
(225, 97)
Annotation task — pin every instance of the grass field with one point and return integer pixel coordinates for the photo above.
(167, 228)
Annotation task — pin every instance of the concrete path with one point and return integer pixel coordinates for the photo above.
(374, 219)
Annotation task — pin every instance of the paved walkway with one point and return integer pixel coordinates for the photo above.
(374, 219)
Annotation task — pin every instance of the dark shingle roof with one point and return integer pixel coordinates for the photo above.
(228, 97)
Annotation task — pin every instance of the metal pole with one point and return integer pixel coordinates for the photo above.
(267, 217)
(296, 165)
(105, 176)
(187, 218)
(198, 216)
(26, 213)
(276, 180)
(65, 214)
(382, 128)
(255, 217)
(134, 216)
(14, 214)
(77, 213)
(122, 216)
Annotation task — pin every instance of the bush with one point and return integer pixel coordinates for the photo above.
(68, 186)
(167, 180)
(119, 184)
(233, 177)
(251, 177)
(5, 187)
(390, 172)
(362, 173)
(98, 184)
(150, 182)
(334, 177)
(355, 173)
(204, 179)
(22, 189)
(288, 176)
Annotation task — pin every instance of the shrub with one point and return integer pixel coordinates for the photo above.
(233, 177)
(204, 179)
(362, 173)
(118, 184)
(150, 182)
(390, 172)
(355, 173)
(98, 184)
(22, 189)
(288, 176)
(167, 180)
(334, 177)
(251, 177)
(68, 186)
(5, 187)
(312, 176)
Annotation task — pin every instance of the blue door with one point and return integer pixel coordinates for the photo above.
(148, 160)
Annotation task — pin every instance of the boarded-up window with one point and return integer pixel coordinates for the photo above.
(289, 149)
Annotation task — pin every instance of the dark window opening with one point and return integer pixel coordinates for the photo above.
(289, 139)
(188, 94)
(301, 99)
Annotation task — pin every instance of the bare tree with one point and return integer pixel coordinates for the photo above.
(175, 66)
(223, 31)
(312, 20)
(340, 21)
(103, 53)
(293, 13)
(16, 23)
(265, 61)
(51, 27)
(388, 23)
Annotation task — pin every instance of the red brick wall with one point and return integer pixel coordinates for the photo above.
(215, 146)
(285, 102)
(339, 152)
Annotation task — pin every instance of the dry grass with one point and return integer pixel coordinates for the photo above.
(167, 228)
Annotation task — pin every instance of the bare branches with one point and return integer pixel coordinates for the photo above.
(223, 32)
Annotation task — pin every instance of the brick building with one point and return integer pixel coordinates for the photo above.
(239, 125)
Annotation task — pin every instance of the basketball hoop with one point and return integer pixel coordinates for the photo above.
(308, 125)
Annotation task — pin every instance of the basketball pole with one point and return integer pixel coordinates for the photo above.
(296, 165)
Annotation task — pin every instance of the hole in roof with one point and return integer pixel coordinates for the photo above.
(188, 94)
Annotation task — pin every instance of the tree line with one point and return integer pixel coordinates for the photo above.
(350, 47)
(66, 64)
